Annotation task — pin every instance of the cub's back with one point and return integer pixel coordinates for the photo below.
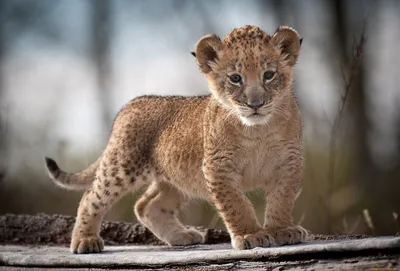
(159, 125)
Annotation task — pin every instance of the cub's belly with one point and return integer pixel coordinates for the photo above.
(183, 169)
(191, 181)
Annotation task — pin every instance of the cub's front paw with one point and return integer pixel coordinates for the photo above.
(186, 237)
(290, 235)
(87, 244)
(259, 239)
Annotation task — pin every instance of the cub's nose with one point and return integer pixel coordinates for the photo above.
(255, 105)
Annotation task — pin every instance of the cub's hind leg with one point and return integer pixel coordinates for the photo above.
(109, 186)
(158, 210)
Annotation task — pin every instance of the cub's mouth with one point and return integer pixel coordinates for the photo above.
(256, 115)
(252, 115)
(254, 118)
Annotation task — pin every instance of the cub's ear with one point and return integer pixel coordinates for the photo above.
(289, 41)
(207, 52)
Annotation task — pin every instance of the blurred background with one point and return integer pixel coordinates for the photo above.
(68, 66)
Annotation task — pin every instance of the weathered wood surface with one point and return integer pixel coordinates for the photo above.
(40, 242)
(204, 257)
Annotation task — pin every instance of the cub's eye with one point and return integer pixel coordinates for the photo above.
(268, 75)
(235, 78)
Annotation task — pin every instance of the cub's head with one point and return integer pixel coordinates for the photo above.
(250, 72)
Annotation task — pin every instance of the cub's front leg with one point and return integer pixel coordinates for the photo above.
(223, 181)
(281, 193)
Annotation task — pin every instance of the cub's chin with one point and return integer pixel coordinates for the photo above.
(256, 119)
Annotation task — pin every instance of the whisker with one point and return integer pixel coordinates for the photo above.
(230, 113)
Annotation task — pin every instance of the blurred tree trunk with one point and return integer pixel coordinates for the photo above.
(339, 38)
(101, 41)
(208, 27)
(2, 45)
(396, 171)
(398, 125)
(279, 9)
(365, 171)
(286, 12)
(2, 114)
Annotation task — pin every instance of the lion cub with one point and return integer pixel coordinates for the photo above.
(247, 134)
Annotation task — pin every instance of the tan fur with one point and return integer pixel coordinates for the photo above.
(209, 147)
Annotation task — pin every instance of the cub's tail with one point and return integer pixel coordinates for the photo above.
(73, 181)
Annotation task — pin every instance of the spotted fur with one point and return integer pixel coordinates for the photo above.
(213, 147)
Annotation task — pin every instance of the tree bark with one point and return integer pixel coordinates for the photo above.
(45, 229)
(56, 230)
